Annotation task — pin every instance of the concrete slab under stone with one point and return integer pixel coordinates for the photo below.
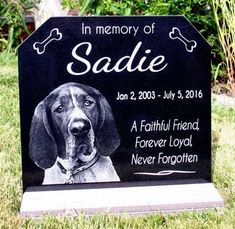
(118, 200)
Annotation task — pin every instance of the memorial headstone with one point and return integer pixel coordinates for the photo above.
(116, 103)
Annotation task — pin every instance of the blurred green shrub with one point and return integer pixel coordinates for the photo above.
(12, 22)
(226, 34)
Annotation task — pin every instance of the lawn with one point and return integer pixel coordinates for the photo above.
(223, 123)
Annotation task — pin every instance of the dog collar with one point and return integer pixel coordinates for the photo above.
(72, 172)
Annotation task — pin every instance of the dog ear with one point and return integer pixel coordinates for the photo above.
(42, 148)
(107, 137)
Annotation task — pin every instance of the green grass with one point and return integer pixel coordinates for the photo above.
(11, 185)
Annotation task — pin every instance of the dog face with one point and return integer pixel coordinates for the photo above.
(72, 124)
(74, 114)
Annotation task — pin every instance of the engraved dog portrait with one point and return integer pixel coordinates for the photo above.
(72, 135)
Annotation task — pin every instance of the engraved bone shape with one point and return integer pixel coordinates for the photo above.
(40, 47)
(176, 34)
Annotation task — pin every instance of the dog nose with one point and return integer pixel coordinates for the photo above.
(80, 127)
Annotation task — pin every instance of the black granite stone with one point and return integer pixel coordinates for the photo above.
(153, 71)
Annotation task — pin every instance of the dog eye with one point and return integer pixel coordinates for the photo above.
(59, 109)
(88, 103)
